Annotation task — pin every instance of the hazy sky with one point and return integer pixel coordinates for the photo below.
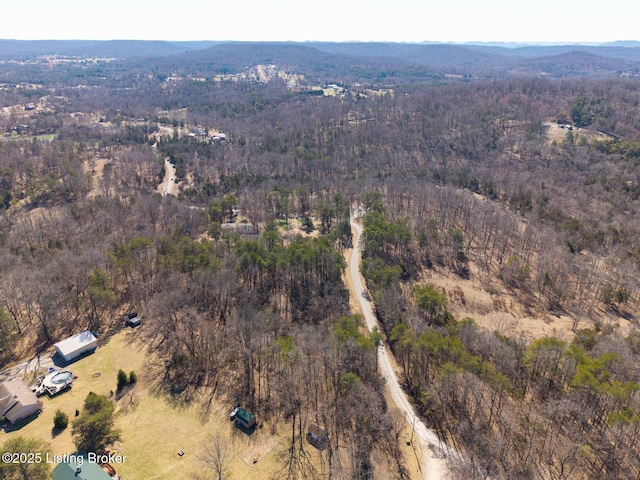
(390, 20)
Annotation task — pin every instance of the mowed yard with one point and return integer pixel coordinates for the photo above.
(153, 429)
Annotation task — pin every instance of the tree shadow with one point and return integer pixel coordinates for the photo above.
(207, 406)
(627, 315)
(246, 431)
(182, 388)
(57, 431)
(179, 393)
(124, 390)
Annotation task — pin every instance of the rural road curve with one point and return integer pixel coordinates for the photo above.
(167, 187)
(434, 466)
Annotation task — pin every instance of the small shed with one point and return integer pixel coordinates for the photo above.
(75, 346)
(17, 401)
(245, 419)
(318, 437)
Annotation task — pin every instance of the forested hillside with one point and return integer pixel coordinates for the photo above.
(518, 186)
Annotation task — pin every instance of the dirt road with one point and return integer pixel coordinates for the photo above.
(433, 466)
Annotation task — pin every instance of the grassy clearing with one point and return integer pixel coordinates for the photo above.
(48, 137)
(153, 428)
(557, 134)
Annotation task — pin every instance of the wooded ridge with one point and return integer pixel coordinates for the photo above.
(497, 188)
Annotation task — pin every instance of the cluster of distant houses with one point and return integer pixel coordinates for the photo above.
(203, 134)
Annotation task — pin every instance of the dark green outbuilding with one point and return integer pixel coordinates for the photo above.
(245, 419)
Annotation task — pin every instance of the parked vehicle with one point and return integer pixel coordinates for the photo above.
(232, 414)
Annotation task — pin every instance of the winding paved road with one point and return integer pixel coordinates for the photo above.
(167, 187)
(433, 465)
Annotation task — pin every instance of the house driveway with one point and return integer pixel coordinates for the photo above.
(30, 366)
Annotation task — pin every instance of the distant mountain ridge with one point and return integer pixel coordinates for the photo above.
(372, 61)
(97, 48)
(141, 48)
(622, 43)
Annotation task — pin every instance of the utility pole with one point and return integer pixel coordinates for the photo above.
(413, 424)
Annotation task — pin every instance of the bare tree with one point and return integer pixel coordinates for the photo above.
(216, 456)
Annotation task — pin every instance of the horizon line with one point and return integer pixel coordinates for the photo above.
(406, 42)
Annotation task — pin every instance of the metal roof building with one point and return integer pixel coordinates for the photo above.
(245, 418)
(75, 346)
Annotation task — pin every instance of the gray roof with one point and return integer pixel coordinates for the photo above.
(76, 343)
(17, 401)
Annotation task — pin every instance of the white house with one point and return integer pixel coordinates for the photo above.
(75, 346)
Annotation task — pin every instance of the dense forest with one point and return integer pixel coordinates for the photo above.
(525, 185)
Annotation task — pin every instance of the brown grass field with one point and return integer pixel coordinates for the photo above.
(153, 429)
(557, 134)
